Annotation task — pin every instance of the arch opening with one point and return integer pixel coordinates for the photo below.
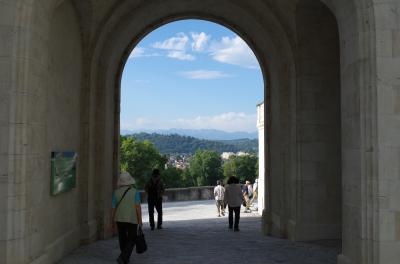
(216, 76)
(286, 202)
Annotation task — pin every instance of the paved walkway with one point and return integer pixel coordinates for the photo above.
(193, 234)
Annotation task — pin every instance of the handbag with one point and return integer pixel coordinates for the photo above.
(141, 245)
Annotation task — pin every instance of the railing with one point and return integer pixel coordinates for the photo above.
(185, 194)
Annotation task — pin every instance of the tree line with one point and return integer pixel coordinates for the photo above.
(189, 145)
(139, 157)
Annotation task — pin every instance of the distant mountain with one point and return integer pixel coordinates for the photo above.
(177, 144)
(209, 134)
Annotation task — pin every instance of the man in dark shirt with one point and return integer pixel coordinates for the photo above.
(155, 190)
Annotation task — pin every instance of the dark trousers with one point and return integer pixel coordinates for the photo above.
(157, 203)
(237, 216)
(127, 233)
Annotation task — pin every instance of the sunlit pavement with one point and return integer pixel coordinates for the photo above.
(192, 233)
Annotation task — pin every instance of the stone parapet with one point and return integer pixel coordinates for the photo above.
(185, 194)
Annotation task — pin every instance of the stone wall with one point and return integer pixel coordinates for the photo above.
(7, 39)
(387, 198)
(185, 194)
(318, 125)
(45, 91)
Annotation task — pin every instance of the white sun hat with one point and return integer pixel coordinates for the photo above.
(125, 179)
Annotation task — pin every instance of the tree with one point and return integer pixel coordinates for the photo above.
(229, 167)
(177, 178)
(243, 167)
(139, 159)
(206, 167)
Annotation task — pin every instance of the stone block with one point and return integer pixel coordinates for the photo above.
(17, 189)
(387, 99)
(396, 43)
(3, 169)
(393, 195)
(3, 251)
(18, 139)
(36, 245)
(387, 70)
(351, 193)
(17, 202)
(386, 15)
(308, 170)
(387, 225)
(389, 130)
(384, 43)
(389, 251)
(389, 167)
(35, 79)
(3, 226)
(16, 169)
(351, 133)
(37, 106)
(7, 13)
(4, 107)
(7, 34)
(37, 139)
(397, 223)
(16, 250)
(37, 167)
(4, 139)
(39, 191)
(313, 151)
(348, 57)
(17, 224)
(307, 101)
(350, 102)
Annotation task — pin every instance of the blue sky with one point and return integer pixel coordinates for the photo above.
(191, 74)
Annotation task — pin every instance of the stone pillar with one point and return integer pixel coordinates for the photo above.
(261, 158)
(386, 194)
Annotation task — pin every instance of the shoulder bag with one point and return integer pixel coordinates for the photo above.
(141, 245)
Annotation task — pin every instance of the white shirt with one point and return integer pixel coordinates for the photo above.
(219, 192)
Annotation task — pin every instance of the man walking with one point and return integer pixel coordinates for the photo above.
(155, 190)
(219, 192)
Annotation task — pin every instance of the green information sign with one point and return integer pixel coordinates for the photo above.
(63, 172)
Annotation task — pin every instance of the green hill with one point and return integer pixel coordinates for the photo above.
(177, 144)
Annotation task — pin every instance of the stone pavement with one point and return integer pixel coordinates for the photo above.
(193, 234)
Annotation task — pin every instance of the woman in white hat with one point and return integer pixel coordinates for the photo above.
(127, 214)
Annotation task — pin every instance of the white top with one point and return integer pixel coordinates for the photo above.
(250, 189)
(219, 192)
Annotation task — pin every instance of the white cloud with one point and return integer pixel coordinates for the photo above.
(179, 42)
(200, 41)
(231, 50)
(234, 51)
(203, 75)
(180, 55)
(230, 122)
(139, 123)
(138, 52)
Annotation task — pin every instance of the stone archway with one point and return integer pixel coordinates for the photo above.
(282, 75)
(289, 200)
(272, 36)
(108, 31)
